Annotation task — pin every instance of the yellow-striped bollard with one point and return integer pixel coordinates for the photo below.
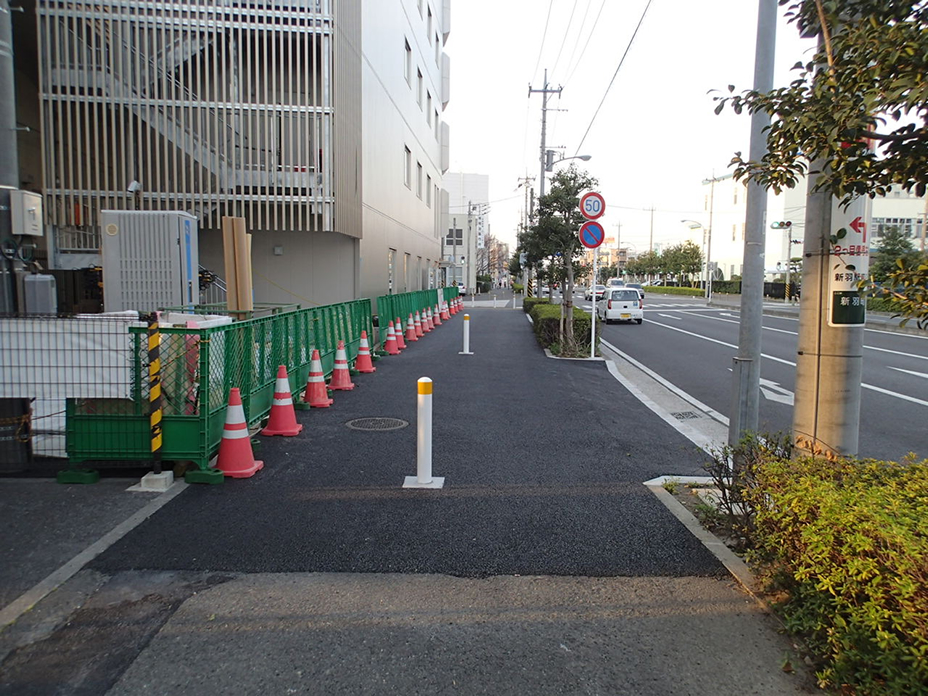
(423, 477)
(466, 350)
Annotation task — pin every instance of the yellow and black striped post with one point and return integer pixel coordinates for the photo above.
(154, 386)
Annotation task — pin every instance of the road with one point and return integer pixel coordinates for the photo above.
(691, 345)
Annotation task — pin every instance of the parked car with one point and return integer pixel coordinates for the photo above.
(637, 287)
(621, 304)
(600, 289)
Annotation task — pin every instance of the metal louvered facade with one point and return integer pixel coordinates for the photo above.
(214, 107)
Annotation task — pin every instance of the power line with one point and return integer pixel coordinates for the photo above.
(543, 37)
(566, 34)
(627, 48)
(585, 45)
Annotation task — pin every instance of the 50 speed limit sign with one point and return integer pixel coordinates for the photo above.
(592, 205)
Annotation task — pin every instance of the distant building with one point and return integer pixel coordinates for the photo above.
(466, 225)
(318, 121)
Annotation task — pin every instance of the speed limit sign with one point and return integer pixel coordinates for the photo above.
(592, 205)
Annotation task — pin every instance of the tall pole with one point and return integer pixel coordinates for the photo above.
(708, 232)
(9, 155)
(746, 364)
(544, 91)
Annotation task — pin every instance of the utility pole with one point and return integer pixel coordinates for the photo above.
(746, 364)
(708, 232)
(9, 155)
(544, 91)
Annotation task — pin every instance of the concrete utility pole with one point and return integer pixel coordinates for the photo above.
(746, 365)
(544, 91)
(9, 156)
(708, 232)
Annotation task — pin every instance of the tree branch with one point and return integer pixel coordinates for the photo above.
(889, 137)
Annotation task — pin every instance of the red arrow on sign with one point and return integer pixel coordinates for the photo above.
(860, 227)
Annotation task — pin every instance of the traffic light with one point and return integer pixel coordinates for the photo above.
(781, 225)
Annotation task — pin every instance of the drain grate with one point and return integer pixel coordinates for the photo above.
(376, 424)
(685, 415)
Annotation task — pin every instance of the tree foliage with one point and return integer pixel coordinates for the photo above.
(859, 106)
(552, 239)
(894, 245)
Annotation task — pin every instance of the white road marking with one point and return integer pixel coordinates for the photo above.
(668, 316)
(910, 372)
(864, 385)
(774, 392)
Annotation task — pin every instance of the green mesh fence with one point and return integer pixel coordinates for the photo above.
(199, 367)
(389, 307)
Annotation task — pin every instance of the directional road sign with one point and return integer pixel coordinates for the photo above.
(592, 234)
(592, 205)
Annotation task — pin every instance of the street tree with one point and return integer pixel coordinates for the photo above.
(894, 244)
(553, 236)
(860, 104)
(683, 260)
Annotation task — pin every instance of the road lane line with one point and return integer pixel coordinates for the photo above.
(909, 372)
(864, 385)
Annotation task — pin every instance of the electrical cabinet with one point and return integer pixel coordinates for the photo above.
(150, 260)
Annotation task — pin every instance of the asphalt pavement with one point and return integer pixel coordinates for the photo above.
(543, 565)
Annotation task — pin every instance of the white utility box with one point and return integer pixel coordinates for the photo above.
(26, 212)
(150, 260)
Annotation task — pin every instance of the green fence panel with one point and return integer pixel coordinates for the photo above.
(200, 366)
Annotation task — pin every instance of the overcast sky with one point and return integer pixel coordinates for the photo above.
(655, 138)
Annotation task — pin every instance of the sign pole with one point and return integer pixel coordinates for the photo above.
(593, 322)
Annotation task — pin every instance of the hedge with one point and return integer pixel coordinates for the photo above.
(847, 542)
(546, 320)
(672, 290)
(529, 302)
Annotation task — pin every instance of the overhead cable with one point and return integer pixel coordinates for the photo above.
(543, 37)
(627, 48)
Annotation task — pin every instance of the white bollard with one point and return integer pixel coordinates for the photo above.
(466, 350)
(423, 477)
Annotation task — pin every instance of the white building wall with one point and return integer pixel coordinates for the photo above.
(401, 161)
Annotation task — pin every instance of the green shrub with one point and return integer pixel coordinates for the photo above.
(517, 287)
(847, 542)
(880, 304)
(671, 290)
(546, 320)
(529, 302)
(727, 287)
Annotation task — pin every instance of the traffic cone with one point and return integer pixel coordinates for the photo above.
(436, 316)
(283, 417)
(411, 330)
(420, 331)
(454, 305)
(363, 362)
(398, 333)
(341, 378)
(390, 345)
(316, 395)
(426, 322)
(235, 456)
(445, 315)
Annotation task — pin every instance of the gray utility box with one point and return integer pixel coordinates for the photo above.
(40, 295)
(150, 260)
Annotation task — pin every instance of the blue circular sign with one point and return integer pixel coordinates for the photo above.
(592, 234)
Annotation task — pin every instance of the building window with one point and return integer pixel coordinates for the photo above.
(407, 167)
(420, 8)
(437, 50)
(736, 194)
(734, 232)
(391, 267)
(419, 84)
(429, 25)
(405, 272)
(419, 179)
(408, 66)
(437, 130)
(428, 110)
(428, 190)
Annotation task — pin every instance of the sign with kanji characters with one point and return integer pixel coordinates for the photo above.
(848, 262)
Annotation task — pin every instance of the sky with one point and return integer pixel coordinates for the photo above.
(656, 136)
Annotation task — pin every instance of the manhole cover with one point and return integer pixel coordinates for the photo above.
(685, 415)
(376, 424)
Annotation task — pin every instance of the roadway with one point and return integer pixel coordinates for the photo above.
(691, 345)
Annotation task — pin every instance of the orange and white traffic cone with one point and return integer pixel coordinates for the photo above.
(390, 345)
(436, 316)
(411, 331)
(235, 456)
(398, 332)
(454, 305)
(427, 325)
(283, 418)
(445, 315)
(341, 378)
(316, 395)
(363, 362)
(420, 330)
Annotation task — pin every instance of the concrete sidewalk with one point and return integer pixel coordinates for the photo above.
(543, 566)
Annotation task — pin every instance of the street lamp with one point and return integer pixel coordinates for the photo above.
(550, 161)
(693, 225)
